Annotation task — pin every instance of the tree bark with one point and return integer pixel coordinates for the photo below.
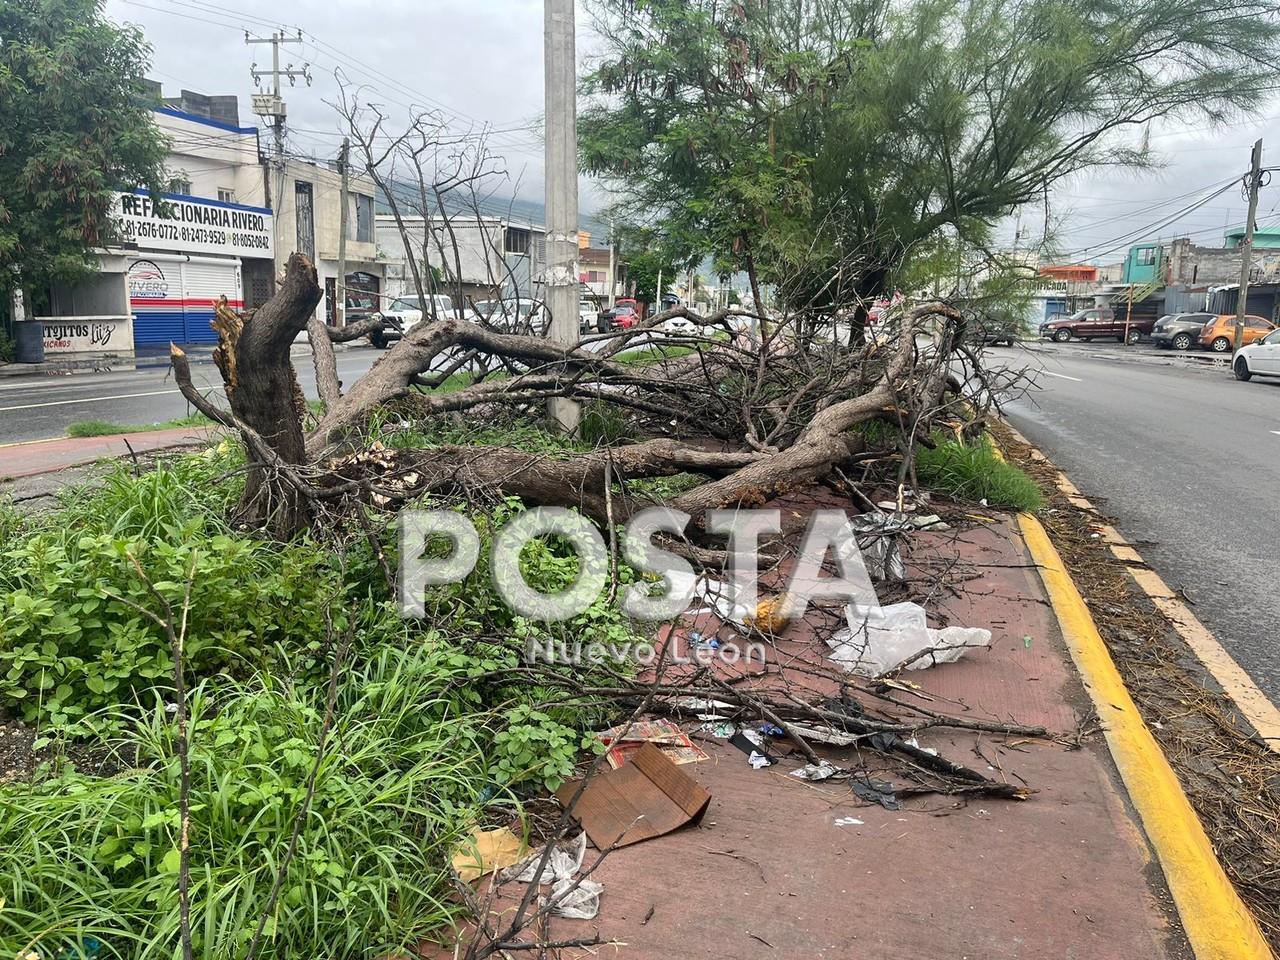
(262, 390)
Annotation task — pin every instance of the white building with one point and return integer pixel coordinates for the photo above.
(491, 256)
(210, 235)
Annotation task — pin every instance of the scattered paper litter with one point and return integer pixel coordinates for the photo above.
(814, 771)
(913, 742)
(624, 740)
(758, 760)
(485, 851)
(848, 822)
(878, 640)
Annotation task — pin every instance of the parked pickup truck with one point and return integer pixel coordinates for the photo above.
(1097, 322)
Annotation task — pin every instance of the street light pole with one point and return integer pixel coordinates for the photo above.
(1246, 248)
(561, 189)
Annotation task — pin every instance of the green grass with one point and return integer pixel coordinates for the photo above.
(105, 428)
(431, 730)
(974, 472)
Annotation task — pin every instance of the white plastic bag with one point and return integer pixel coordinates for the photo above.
(879, 639)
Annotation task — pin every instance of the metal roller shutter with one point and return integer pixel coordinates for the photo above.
(155, 300)
(203, 282)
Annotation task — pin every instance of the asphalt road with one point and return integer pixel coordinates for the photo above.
(42, 407)
(1188, 461)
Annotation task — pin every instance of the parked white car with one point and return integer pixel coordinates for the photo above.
(513, 315)
(408, 312)
(588, 316)
(679, 326)
(1261, 359)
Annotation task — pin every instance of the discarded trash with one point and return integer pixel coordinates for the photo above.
(670, 739)
(880, 640)
(930, 521)
(768, 615)
(1026, 642)
(751, 743)
(814, 771)
(913, 742)
(486, 851)
(876, 791)
(837, 738)
(642, 799)
(577, 903)
(563, 863)
(772, 730)
(848, 822)
(705, 708)
(877, 535)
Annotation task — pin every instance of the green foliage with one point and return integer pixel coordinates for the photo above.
(434, 718)
(535, 747)
(397, 790)
(974, 472)
(77, 127)
(603, 423)
(824, 142)
(6, 346)
(71, 644)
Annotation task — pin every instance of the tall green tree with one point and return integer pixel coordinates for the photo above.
(819, 143)
(75, 125)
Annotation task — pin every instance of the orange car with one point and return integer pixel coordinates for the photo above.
(1219, 334)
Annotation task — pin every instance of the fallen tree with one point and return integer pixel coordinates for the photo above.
(754, 416)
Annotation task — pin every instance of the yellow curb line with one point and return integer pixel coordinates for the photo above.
(1217, 922)
(1254, 705)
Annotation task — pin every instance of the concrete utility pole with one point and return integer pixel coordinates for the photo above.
(340, 284)
(561, 188)
(1246, 248)
(613, 259)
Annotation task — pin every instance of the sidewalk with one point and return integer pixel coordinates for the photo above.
(781, 867)
(151, 359)
(34, 457)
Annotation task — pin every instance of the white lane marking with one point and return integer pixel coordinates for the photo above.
(1062, 376)
(120, 396)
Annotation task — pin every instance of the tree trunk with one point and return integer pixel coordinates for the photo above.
(262, 390)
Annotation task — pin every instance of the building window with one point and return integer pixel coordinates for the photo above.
(226, 196)
(364, 219)
(1146, 256)
(304, 215)
(180, 184)
(595, 276)
(516, 240)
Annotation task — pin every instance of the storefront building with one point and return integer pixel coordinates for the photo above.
(190, 252)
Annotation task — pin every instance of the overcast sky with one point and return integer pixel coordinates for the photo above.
(480, 62)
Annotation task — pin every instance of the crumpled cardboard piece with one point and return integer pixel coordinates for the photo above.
(486, 851)
(644, 798)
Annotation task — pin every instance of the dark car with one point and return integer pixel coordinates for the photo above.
(1181, 331)
(991, 332)
(1096, 323)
